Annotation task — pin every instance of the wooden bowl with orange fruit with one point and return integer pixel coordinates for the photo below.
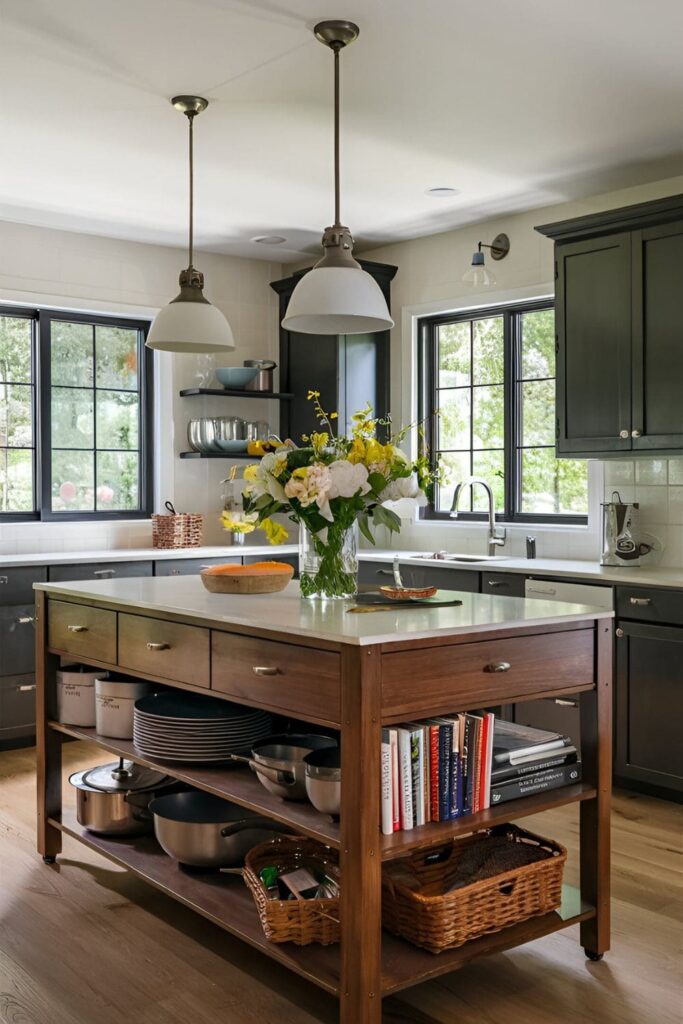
(258, 578)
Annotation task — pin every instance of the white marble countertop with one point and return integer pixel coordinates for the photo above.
(288, 613)
(650, 576)
(145, 554)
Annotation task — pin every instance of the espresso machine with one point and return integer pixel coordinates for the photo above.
(621, 544)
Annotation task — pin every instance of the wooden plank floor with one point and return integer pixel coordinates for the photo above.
(85, 943)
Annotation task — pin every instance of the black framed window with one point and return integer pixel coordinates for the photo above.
(77, 434)
(487, 398)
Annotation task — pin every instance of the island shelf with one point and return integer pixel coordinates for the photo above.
(375, 666)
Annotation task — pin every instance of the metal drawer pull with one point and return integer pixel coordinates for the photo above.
(26, 688)
(265, 670)
(641, 601)
(384, 572)
(77, 629)
(25, 620)
(498, 666)
(174, 572)
(636, 433)
(104, 572)
(4, 579)
(499, 583)
(157, 647)
(566, 703)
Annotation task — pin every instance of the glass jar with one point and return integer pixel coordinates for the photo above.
(328, 568)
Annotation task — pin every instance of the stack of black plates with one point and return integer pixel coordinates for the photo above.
(177, 726)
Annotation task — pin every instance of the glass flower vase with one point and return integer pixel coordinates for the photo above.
(328, 569)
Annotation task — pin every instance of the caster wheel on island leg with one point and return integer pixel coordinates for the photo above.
(49, 859)
(595, 957)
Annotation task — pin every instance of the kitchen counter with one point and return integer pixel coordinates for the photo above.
(647, 576)
(329, 620)
(145, 554)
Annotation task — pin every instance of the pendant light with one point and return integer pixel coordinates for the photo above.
(477, 274)
(189, 323)
(337, 296)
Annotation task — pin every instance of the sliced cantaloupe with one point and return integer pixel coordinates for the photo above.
(256, 569)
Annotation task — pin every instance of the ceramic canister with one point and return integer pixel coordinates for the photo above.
(76, 695)
(114, 704)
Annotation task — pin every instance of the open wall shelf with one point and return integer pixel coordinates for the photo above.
(280, 396)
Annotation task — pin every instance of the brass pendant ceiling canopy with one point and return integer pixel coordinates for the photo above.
(337, 296)
(189, 323)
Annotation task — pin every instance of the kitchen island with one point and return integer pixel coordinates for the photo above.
(353, 672)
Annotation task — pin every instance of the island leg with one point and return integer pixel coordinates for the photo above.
(48, 742)
(361, 867)
(596, 748)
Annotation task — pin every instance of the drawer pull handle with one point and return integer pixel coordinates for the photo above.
(157, 647)
(566, 703)
(174, 572)
(104, 572)
(498, 666)
(4, 579)
(499, 583)
(26, 688)
(640, 601)
(25, 620)
(384, 572)
(265, 670)
(77, 629)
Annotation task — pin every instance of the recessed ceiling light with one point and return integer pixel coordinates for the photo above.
(270, 239)
(442, 192)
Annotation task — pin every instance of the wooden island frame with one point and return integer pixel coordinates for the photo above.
(357, 686)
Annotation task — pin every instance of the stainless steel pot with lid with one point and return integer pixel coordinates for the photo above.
(112, 799)
(263, 381)
(204, 831)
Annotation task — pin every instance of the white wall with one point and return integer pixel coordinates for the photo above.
(429, 281)
(86, 272)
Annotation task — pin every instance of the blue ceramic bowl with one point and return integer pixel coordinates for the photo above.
(236, 376)
(234, 447)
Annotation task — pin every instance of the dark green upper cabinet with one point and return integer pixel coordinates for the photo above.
(619, 277)
(349, 370)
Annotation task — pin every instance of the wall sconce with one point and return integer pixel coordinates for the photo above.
(477, 274)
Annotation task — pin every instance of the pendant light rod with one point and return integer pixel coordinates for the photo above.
(337, 186)
(190, 106)
(336, 35)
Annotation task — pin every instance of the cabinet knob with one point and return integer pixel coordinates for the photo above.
(623, 434)
(640, 601)
(498, 666)
(265, 670)
(636, 433)
(77, 629)
(157, 647)
(4, 579)
(174, 572)
(619, 632)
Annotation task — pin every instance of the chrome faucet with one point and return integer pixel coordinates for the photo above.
(496, 537)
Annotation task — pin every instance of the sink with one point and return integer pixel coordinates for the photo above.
(443, 556)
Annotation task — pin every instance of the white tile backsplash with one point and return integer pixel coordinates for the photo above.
(651, 471)
(657, 486)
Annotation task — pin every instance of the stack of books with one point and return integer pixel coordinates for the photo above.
(436, 770)
(527, 761)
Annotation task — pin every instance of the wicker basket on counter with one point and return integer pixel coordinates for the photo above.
(299, 921)
(514, 875)
(177, 529)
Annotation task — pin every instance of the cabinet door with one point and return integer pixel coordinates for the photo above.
(657, 338)
(380, 573)
(649, 705)
(593, 321)
(17, 639)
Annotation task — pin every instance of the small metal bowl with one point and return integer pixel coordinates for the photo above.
(323, 780)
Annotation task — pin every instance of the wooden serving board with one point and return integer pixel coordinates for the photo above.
(376, 601)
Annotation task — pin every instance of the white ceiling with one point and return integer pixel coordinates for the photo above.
(518, 103)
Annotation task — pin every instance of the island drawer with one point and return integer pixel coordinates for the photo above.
(82, 631)
(293, 680)
(470, 675)
(166, 649)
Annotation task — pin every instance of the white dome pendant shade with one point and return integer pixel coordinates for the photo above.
(337, 296)
(189, 323)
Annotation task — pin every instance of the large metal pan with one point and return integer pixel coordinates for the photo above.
(279, 762)
(203, 831)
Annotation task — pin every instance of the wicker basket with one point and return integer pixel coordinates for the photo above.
(297, 921)
(177, 530)
(508, 876)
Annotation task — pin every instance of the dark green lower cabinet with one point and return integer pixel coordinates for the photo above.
(649, 705)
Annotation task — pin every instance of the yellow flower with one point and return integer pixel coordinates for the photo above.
(319, 441)
(374, 452)
(251, 473)
(334, 415)
(275, 532)
(239, 522)
(357, 451)
(300, 473)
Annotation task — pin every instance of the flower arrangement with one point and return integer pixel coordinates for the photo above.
(327, 486)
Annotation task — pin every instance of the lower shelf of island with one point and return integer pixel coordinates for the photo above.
(225, 900)
(233, 782)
